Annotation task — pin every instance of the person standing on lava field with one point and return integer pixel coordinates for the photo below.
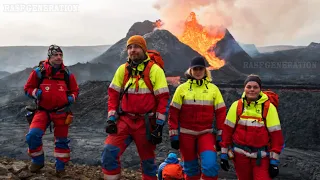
(191, 120)
(54, 89)
(136, 111)
(252, 134)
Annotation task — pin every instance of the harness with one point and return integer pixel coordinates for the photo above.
(253, 150)
(43, 76)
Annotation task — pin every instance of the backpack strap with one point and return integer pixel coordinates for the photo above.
(43, 75)
(240, 108)
(146, 75)
(265, 109)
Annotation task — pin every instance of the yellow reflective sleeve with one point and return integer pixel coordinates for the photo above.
(118, 76)
(158, 79)
(272, 116)
(218, 102)
(177, 97)
(232, 113)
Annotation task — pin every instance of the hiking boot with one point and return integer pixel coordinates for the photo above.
(35, 167)
(62, 174)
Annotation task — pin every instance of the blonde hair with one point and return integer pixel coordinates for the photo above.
(207, 73)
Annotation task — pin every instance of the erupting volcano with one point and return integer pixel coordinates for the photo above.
(201, 39)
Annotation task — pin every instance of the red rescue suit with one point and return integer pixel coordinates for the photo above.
(55, 95)
(191, 121)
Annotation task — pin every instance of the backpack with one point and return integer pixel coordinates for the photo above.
(43, 76)
(155, 58)
(272, 98)
(31, 109)
(172, 172)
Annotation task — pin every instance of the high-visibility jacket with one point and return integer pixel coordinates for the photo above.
(194, 106)
(139, 99)
(251, 130)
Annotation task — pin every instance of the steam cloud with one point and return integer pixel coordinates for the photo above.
(251, 21)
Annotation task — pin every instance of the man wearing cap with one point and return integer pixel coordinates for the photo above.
(194, 105)
(54, 89)
(132, 110)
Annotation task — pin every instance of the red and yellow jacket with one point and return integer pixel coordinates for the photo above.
(251, 131)
(140, 100)
(54, 89)
(193, 108)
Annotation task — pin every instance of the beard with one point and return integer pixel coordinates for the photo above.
(137, 58)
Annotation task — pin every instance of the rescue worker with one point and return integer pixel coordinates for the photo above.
(53, 95)
(249, 136)
(170, 168)
(191, 120)
(133, 110)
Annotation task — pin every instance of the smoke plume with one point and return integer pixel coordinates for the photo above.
(251, 21)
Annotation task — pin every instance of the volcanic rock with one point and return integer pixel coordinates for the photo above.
(176, 55)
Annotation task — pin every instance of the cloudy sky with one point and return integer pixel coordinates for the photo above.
(96, 22)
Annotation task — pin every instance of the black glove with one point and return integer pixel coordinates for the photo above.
(175, 144)
(224, 162)
(273, 170)
(218, 147)
(111, 127)
(156, 135)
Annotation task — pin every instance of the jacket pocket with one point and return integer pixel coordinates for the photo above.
(46, 96)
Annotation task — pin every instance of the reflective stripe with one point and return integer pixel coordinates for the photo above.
(220, 105)
(251, 123)
(34, 154)
(219, 133)
(176, 105)
(274, 128)
(224, 150)
(274, 155)
(250, 155)
(140, 91)
(115, 87)
(192, 132)
(61, 155)
(198, 102)
(74, 97)
(251, 118)
(112, 113)
(149, 114)
(34, 93)
(161, 90)
(229, 123)
(111, 177)
(173, 132)
(161, 116)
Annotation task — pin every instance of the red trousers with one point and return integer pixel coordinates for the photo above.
(247, 169)
(37, 129)
(115, 144)
(202, 146)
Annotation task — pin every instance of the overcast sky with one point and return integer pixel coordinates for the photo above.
(97, 22)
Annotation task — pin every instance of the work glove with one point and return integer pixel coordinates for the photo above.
(218, 147)
(111, 127)
(175, 142)
(156, 135)
(71, 99)
(37, 94)
(224, 162)
(274, 168)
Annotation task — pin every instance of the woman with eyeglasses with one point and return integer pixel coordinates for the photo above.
(191, 120)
